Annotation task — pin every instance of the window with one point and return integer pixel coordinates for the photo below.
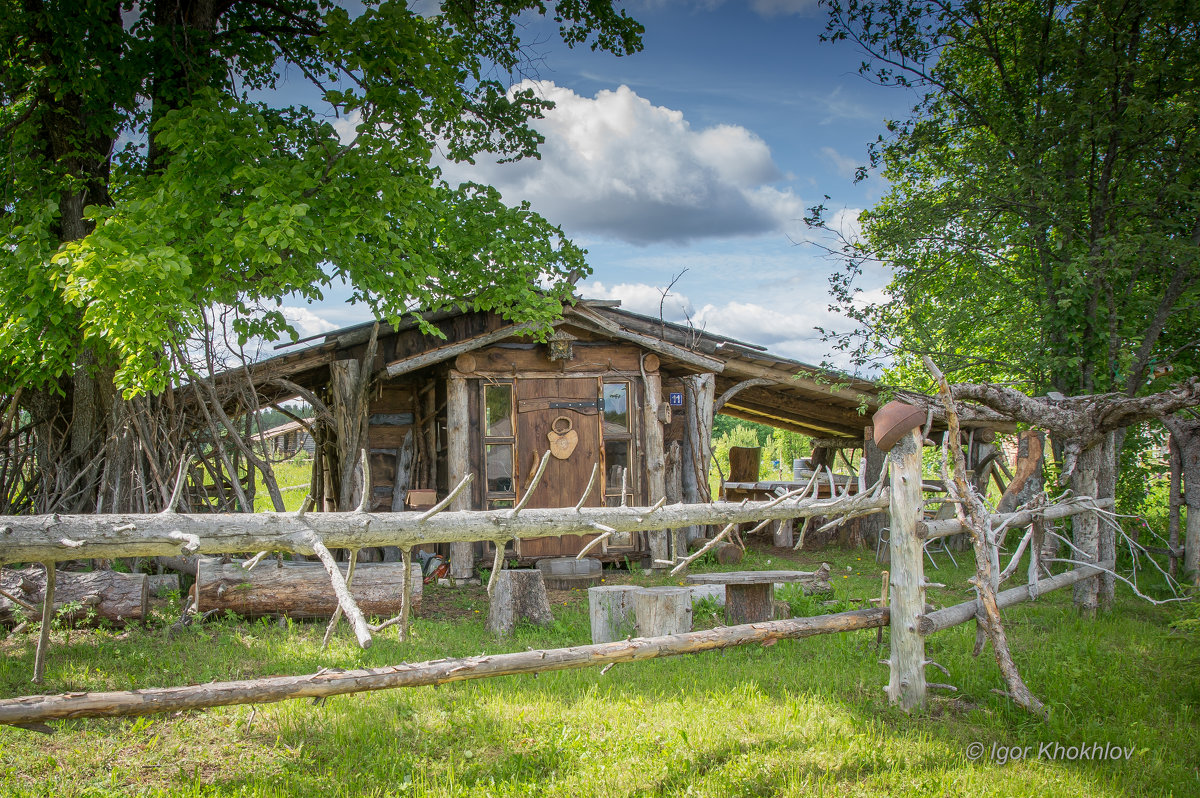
(620, 462)
(499, 444)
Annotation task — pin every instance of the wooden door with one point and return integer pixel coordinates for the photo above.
(546, 404)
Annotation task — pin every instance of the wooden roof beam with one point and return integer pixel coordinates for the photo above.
(587, 319)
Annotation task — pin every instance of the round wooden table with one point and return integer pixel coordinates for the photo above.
(750, 595)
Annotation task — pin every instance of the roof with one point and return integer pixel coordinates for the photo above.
(778, 391)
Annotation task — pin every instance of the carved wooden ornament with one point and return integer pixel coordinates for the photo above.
(563, 438)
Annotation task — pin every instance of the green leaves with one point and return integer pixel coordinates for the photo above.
(1041, 220)
(215, 201)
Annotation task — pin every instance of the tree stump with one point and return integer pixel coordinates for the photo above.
(729, 554)
(112, 596)
(612, 611)
(663, 611)
(749, 603)
(519, 594)
(782, 537)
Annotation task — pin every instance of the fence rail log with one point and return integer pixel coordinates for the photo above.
(51, 538)
(930, 530)
(42, 708)
(961, 613)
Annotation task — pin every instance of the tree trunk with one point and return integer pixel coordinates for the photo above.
(299, 590)
(697, 448)
(1186, 433)
(906, 685)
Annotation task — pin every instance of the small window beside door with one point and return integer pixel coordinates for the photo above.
(499, 444)
(619, 461)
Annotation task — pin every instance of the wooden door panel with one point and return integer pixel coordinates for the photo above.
(564, 481)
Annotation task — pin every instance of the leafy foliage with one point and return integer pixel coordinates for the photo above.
(149, 175)
(1041, 224)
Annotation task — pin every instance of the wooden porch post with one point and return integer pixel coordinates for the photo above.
(871, 467)
(660, 548)
(697, 447)
(462, 554)
(906, 686)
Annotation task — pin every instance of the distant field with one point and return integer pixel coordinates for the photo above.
(802, 717)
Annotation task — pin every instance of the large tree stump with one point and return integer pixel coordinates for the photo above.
(612, 611)
(663, 611)
(519, 594)
(112, 596)
(749, 603)
(299, 590)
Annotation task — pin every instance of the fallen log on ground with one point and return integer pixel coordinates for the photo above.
(298, 591)
(961, 613)
(36, 709)
(106, 595)
(51, 538)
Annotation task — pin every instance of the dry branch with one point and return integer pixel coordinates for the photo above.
(51, 538)
(41, 708)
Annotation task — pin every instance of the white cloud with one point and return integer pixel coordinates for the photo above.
(305, 321)
(644, 299)
(779, 8)
(617, 165)
(845, 166)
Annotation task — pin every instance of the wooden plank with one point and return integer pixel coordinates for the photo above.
(757, 577)
(387, 437)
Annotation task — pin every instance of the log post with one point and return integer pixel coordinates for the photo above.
(663, 611)
(299, 590)
(697, 448)
(871, 468)
(1086, 528)
(519, 594)
(611, 610)
(660, 547)
(350, 418)
(674, 494)
(906, 685)
(462, 553)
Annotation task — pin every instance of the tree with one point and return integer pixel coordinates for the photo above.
(1043, 219)
(153, 183)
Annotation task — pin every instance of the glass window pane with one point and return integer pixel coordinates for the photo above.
(616, 407)
(499, 468)
(497, 401)
(616, 461)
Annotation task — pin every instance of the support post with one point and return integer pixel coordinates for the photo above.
(462, 554)
(906, 686)
(871, 467)
(655, 466)
(697, 448)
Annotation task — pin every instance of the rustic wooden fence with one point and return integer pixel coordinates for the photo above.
(50, 539)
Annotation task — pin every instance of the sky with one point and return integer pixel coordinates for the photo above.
(697, 158)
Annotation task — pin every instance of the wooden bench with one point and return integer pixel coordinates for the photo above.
(750, 595)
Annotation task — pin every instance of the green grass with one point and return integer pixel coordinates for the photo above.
(289, 473)
(805, 717)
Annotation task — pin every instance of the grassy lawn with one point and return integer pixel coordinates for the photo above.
(804, 717)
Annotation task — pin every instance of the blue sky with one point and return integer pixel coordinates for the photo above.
(702, 153)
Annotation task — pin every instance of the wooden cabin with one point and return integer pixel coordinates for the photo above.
(629, 396)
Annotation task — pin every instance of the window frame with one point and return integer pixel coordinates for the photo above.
(490, 496)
